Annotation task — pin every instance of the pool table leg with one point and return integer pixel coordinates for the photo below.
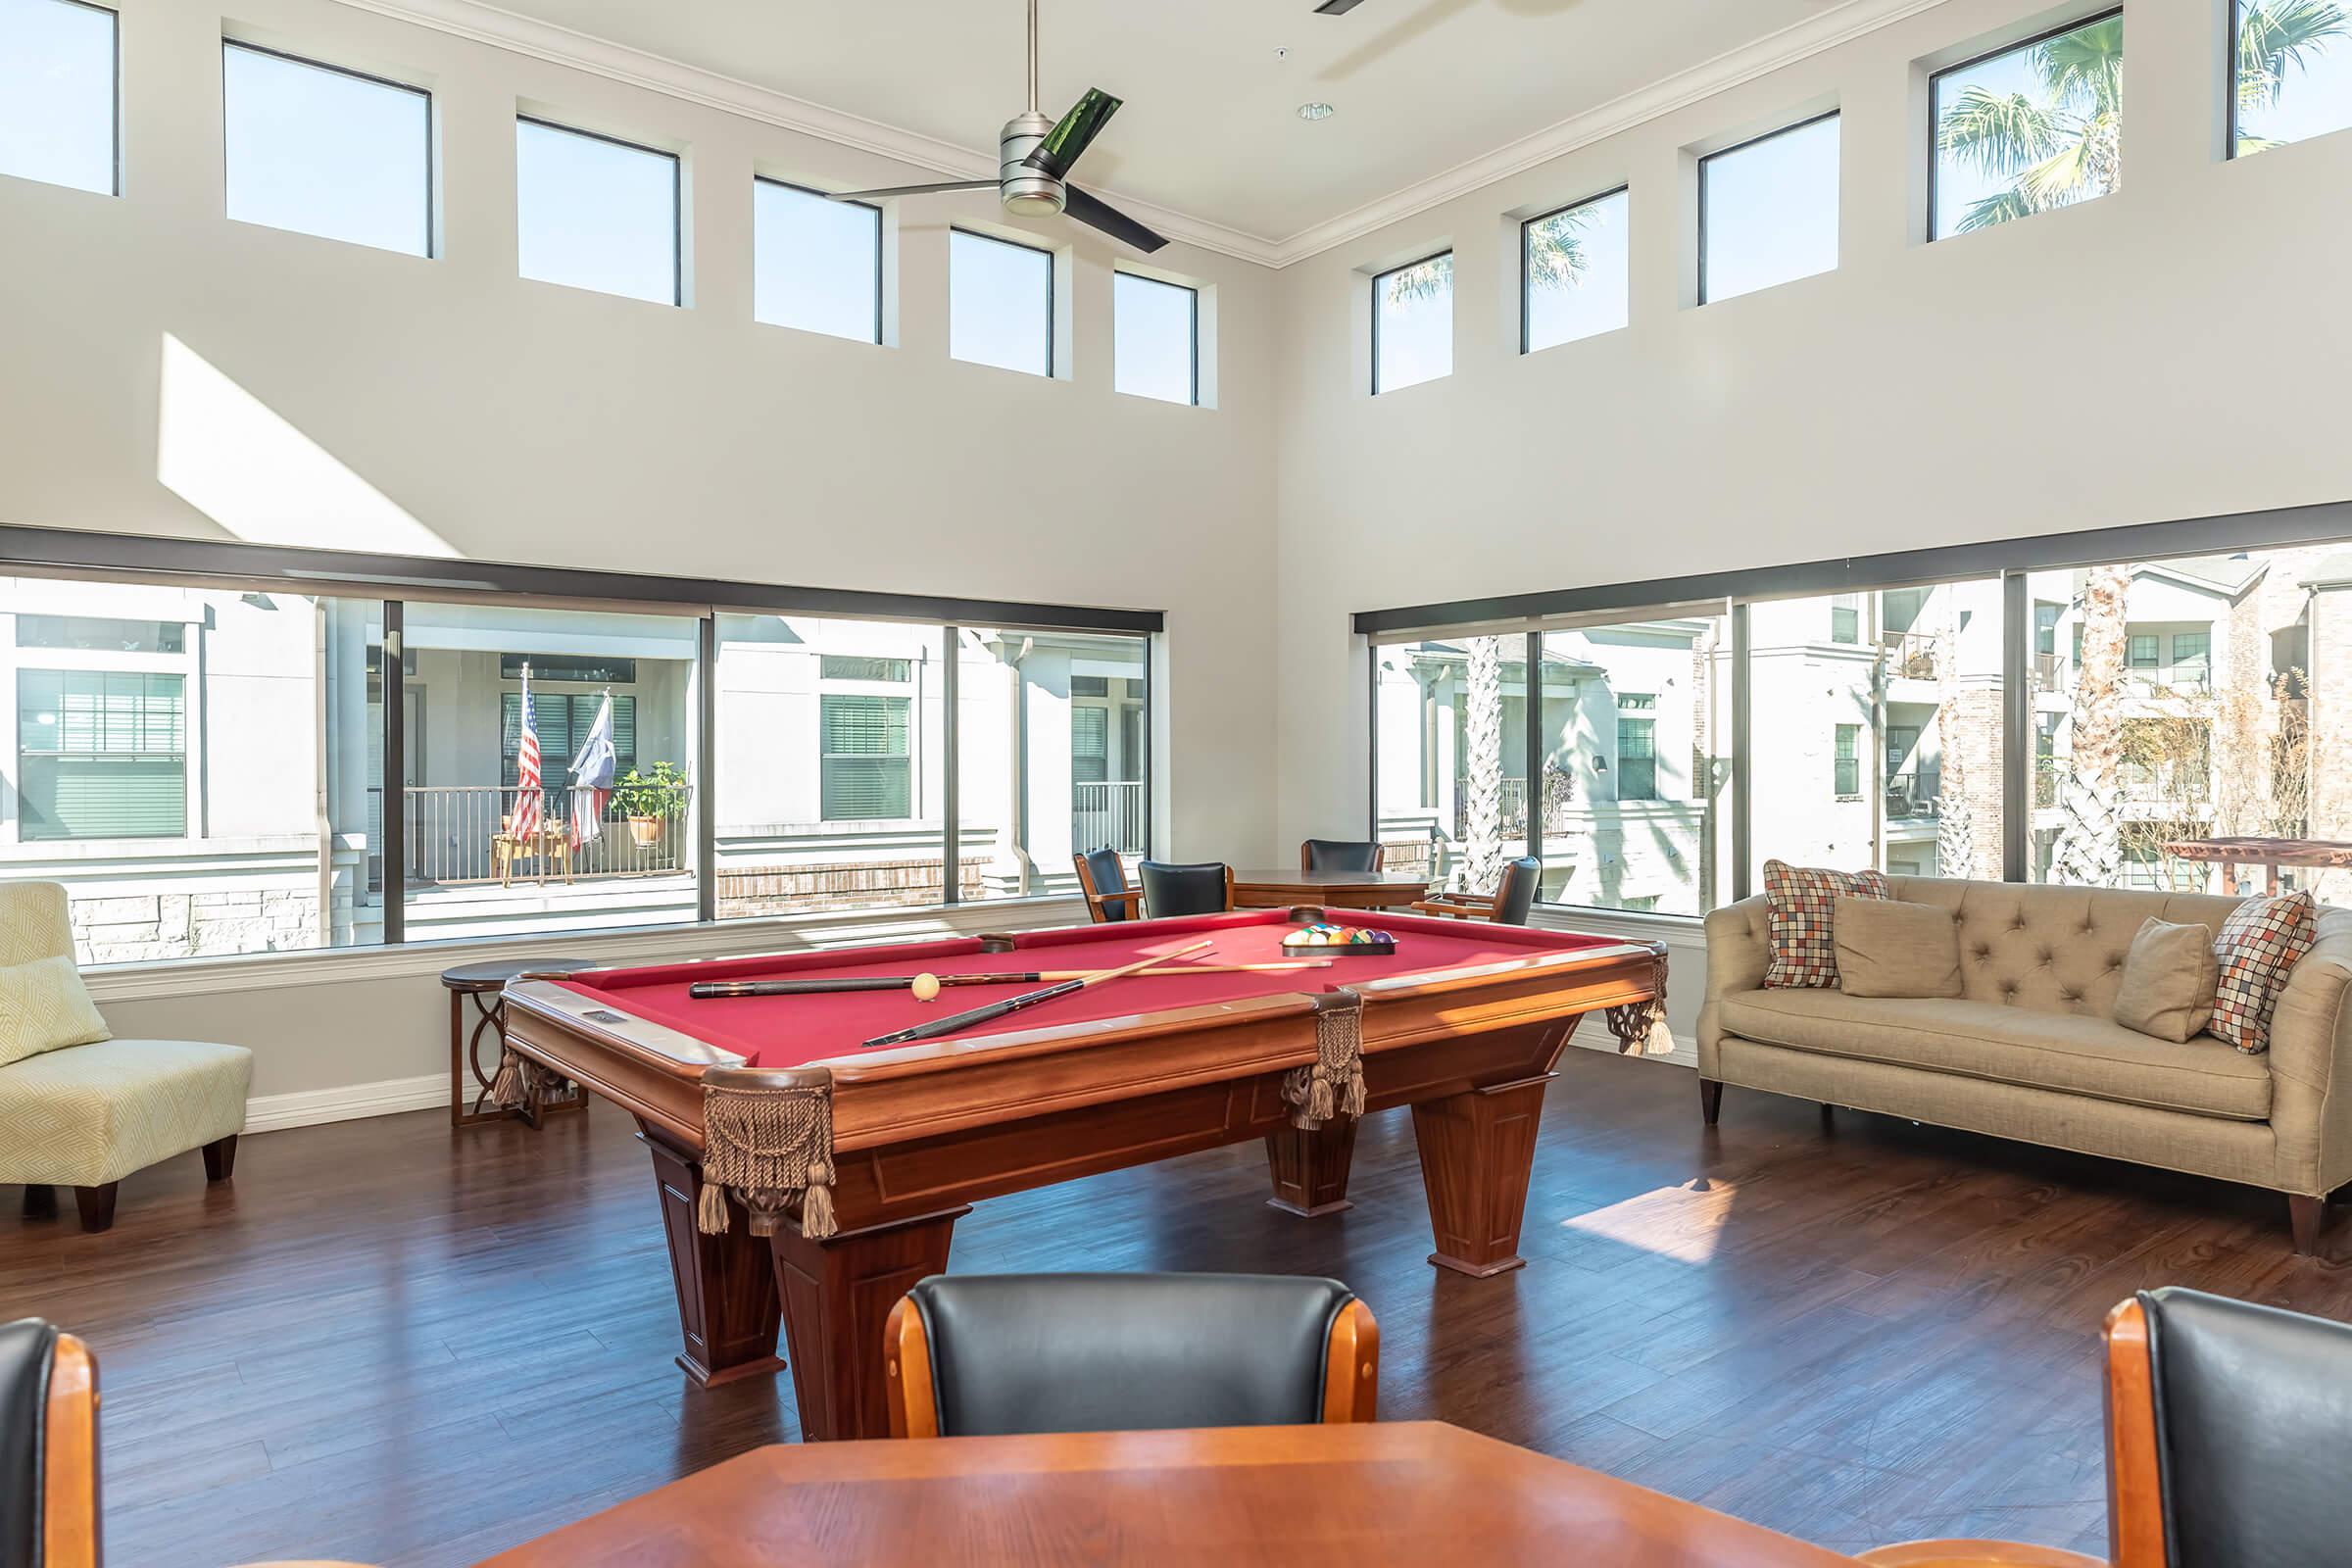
(837, 1296)
(1310, 1169)
(1476, 1151)
(726, 1290)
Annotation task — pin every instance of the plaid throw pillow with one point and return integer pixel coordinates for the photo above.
(1799, 902)
(2258, 946)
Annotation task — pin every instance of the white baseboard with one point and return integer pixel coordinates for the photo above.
(309, 1108)
(1683, 1055)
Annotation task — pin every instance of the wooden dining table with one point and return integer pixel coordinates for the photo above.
(1275, 888)
(1409, 1493)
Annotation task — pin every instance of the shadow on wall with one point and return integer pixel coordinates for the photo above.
(243, 464)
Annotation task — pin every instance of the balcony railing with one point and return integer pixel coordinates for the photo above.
(1559, 796)
(1912, 655)
(2048, 672)
(1109, 816)
(459, 833)
(1912, 794)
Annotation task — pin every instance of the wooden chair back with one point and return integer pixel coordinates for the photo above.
(49, 1495)
(1139, 1321)
(1341, 855)
(1103, 879)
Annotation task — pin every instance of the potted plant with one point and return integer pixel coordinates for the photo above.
(649, 801)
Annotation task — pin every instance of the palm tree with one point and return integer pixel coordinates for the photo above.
(2089, 852)
(1482, 742)
(2273, 38)
(2055, 145)
(1555, 259)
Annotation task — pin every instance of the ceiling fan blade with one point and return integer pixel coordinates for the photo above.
(1073, 134)
(1337, 7)
(1109, 219)
(908, 190)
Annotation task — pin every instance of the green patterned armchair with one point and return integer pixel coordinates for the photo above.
(85, 1116)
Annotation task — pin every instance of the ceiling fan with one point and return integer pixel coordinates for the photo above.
(1034, 157)
(1337, 7)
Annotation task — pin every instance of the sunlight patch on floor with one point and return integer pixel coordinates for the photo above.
(1684, 1223)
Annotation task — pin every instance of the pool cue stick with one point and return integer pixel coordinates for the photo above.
(713, 990)
(1028, 999)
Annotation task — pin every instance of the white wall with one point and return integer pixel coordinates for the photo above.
(323, 394)
(2174, 349)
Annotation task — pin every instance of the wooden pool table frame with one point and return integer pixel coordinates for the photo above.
(922, 1131)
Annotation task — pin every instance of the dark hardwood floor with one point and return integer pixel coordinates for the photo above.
(393, 1344)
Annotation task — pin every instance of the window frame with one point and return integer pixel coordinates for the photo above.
(432, 138)
(1373, 298)
(1053, 370)
(678, 206)
(1192, 329)
(1707, 159)
(1623, 188)
(2110, 13)
(114, 115)
(178, 675)
(880, 270)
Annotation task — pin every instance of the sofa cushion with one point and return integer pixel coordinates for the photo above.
(45, 1007)
(93, 1114)
(1890, 949)
(2168, 981)
(2258, 946)
(2068, 1053)
(1801, 917)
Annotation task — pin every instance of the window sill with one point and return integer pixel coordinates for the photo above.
(275, 971)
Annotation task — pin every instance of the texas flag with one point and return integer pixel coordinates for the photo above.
(592, 775)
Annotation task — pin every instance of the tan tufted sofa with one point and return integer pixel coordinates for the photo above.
(2029, 1052)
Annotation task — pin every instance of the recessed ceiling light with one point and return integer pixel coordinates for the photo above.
(1316, 111)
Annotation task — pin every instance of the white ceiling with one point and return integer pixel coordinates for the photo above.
(1210, 128)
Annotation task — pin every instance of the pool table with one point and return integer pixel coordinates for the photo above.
(805, 1176)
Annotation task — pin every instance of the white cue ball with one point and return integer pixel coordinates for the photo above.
(926, 987)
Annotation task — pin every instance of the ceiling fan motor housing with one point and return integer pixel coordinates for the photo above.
(1025, 190)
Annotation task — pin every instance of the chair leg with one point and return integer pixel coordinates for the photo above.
(41, 1200)
(2306, 1215)
(97, 1206)
(1710, 1098)
(221, 1159)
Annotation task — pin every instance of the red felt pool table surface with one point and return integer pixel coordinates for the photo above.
(790, 1031)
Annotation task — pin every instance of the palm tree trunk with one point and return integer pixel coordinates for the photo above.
(1482, 811)
(2089, 850)
(1955, 827)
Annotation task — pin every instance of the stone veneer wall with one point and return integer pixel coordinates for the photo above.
(846, 885)
(139, 927)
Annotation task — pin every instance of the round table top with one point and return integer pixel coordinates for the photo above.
(495, 972)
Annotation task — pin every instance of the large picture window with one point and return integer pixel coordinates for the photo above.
(324, 151)
(201, 767)
(2294, 77)
(1768, 209)
(2033, 128)
(58, 109)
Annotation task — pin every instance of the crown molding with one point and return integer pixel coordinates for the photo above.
(499, 29)
(1773, 52)
(484, 24)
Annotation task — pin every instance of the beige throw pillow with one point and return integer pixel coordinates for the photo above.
(1887, 948)
(2169, 977)
(44, 1006)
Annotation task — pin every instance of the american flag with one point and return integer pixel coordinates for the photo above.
(525, 821)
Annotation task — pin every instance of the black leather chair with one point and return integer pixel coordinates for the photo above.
(1510, 904)
(1102, 878)
(2227, 1424)
(1173, 890)
(1341, 854)
(983, 1354)
(48, 1449)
